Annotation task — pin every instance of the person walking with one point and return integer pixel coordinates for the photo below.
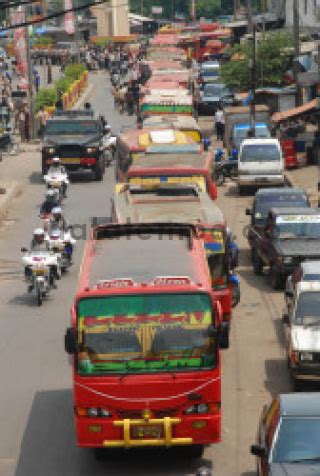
(220, 123)
(21, 124)
(27, 124)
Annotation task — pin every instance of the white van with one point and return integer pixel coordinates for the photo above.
(260, 162)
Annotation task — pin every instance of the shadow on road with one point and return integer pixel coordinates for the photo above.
(49, 448)
(277, 376)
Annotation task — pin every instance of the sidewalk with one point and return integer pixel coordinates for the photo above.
(307, 178)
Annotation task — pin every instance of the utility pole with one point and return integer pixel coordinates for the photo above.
(253, 83)
(296, 39)
(193, 10)
(249, 16)
(235, 8)
(141, 7)
(30, 79)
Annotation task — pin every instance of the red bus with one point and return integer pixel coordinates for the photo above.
(145, 338)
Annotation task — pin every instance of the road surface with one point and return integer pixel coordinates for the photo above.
(36, 415)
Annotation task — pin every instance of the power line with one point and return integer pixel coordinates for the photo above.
(58, 14)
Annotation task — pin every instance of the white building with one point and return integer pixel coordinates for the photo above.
(309, 13)
(112, 18)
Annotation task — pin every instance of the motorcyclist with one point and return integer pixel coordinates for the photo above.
(57, 168)
(38, 244)
(58, 220)
(49, 203)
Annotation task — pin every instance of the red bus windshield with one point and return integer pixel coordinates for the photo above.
(145, 333)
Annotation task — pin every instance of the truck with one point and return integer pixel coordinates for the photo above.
(186, 204)
(186, 167)
(241, 115)
(77, 139)
(145, 341)
(290, 236)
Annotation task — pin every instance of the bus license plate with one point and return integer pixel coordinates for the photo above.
(147, 431)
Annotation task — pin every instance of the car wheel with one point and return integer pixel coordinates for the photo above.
(195, 451)
(98, 174)
(257, 264)
(241, 190)
(276, 279)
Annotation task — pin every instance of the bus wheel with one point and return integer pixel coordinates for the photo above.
(195, 451)
(99, 453)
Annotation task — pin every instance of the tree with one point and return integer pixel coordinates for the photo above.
(205, 8)
(271, 62)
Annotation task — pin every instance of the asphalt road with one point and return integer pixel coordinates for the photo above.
(36, 415)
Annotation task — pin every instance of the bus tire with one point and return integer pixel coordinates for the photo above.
(195, 451)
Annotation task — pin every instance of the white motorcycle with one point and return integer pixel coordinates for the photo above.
(62, 244)
(57, 181)
(40, 267)
(109, 146)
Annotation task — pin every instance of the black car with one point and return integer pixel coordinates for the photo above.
(77, 139)
(288, 436)
(210, 97)
(267, 198)
(290, 236)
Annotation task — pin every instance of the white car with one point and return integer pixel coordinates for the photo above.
(306, 271)
(302, 330)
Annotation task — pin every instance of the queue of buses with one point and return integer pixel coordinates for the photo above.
(154, 304)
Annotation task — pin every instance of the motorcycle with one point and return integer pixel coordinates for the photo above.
(109, 147)
(40, 271)
(62, 244)
(57, 181)
(235, 284)
(225, 168)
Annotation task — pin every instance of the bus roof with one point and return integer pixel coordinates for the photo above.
(170, 161)
(124, 252)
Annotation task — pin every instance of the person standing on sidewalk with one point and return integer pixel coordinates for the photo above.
(43, 117)
(21, 124)
(27, 124)
(220, 124)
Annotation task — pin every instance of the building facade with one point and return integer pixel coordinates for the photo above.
(112, 18)
(309, 13)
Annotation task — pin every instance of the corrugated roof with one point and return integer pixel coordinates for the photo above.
(297, 111)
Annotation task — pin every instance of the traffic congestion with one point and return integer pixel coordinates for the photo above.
(192, 270)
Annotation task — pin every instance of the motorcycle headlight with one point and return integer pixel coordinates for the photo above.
(90, 150)
(51, 150)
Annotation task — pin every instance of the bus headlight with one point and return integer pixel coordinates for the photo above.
(199, 409)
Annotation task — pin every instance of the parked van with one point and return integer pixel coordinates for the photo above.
(260, 163)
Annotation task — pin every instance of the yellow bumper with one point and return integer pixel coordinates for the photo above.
(167, 440)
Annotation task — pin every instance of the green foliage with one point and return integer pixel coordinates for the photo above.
(271, 62)
(101, 42)
(43, 40)
(45, 97)
(62, 85)
(74, 71)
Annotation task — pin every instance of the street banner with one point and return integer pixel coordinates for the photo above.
(69, 18)
(20, 45)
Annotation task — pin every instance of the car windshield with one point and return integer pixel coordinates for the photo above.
(308, 308)
(299, 226)
(71, 127)
(311, 277)
(145, 333)
(297, 440)
(239, 134)
(213, 89)
(260, 153)
(265, 202)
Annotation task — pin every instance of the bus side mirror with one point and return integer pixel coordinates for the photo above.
(70, 344)
(259, 451)
(223, 335)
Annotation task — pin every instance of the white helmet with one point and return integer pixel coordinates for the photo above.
(56, 161)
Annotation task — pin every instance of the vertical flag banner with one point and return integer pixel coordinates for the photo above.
(69, 18)
(20, 45)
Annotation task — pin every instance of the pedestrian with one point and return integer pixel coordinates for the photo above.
(220, 123)
(43, 117)
(37, 81)
(21, 124)
(27, 124)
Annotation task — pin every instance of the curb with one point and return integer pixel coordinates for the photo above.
(83, 97)
(12, 191)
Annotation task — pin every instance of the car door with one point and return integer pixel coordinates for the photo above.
(268, 427)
